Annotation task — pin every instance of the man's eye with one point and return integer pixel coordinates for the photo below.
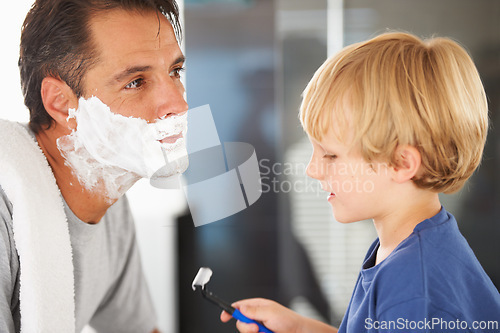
(137, 83)
(176, 72)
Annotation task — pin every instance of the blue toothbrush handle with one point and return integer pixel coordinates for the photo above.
(239, 316)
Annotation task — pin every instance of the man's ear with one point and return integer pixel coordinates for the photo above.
(58, 98)
(407, 163)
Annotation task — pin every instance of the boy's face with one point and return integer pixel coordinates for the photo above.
(358, 190)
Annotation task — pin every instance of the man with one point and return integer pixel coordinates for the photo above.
(78, 56)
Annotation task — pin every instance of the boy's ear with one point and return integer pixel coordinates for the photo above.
(58, 98)
(407, 163)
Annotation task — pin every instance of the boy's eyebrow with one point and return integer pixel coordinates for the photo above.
(137, 69)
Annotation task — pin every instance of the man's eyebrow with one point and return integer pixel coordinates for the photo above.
(128, 72)
(138, 69)
(179, 60)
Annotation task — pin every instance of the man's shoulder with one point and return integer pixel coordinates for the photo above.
(5, 215)
(8, 252)
(119, 219)
(5, 204)
(9, 266)
(120, 209)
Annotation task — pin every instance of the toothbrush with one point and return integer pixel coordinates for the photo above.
(200, 281)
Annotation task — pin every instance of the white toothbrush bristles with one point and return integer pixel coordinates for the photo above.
(202, 278)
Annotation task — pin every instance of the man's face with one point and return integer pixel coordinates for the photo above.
(139, 63)
(131, 120)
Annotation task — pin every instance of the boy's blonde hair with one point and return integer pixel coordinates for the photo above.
(396, 90)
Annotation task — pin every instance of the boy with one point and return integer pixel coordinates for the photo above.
(404, 119)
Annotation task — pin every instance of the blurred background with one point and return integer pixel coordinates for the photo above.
(250, 60)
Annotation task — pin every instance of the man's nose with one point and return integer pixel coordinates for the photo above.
(170, 97)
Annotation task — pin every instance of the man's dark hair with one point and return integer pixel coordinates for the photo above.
(56, 41)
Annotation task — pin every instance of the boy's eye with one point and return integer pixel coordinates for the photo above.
(330, 156)
(176, 72)
(137, 83)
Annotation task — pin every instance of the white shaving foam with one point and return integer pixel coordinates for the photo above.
(109, 152)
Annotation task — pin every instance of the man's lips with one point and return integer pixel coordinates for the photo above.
(171, 139)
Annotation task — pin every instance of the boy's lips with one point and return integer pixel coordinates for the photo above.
(328, 190)
(171, 139)
(331, 195)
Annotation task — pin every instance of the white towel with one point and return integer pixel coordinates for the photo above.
(40, 232)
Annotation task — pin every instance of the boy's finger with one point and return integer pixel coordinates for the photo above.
(255, 312)
(247, 328)
(225, 317)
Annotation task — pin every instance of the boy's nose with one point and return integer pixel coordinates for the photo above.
(312, 170)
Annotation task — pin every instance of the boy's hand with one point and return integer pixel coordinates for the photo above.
(276, 317)
(273, 315)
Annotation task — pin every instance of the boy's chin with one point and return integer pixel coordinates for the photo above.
(344, 219)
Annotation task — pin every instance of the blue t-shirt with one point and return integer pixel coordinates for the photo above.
(431, 282)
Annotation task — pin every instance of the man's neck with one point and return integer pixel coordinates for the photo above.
(89, 206)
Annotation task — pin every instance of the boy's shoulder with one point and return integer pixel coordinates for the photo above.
(435, 246)
(435, 251)
(436, 263)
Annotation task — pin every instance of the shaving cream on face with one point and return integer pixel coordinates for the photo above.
(109, 152)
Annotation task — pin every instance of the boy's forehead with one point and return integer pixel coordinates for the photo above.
(337, 117)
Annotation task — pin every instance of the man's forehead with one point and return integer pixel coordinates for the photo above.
(121, 31)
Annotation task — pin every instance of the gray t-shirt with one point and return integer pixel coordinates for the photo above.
(111, 294)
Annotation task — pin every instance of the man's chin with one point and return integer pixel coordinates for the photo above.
(172, 169)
